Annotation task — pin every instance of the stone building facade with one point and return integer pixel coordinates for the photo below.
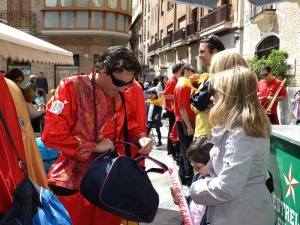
(85, 28)
(170, 33)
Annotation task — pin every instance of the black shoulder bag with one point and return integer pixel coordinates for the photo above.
(201, 100)
(119, 185)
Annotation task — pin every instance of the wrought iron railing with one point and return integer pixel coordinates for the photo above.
(22, 20)
(180, 34)
(215, 17)
(167, 40)
(191, 28)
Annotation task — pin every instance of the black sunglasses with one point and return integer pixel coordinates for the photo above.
(265, 75)
(193, 71)
(117, 82)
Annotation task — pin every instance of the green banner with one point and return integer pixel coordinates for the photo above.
(286, 197)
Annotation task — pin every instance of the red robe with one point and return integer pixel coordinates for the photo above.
(70, 128)
(10, 174)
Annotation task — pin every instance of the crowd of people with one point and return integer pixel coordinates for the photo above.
(223, 135)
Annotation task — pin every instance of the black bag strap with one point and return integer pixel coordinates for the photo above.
(22, 164)
(139, 157)
(125, 128)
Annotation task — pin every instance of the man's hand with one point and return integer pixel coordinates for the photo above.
(104, 145)
(146, 145)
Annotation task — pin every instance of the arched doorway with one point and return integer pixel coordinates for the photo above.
(267, 45)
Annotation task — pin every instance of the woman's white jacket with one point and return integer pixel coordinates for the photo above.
(236, 192)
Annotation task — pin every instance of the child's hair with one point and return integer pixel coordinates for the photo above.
(40, 91)
(154, 92)
(199, 149)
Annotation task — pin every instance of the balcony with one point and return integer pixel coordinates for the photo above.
(24, 20)
(191, 28)
(179, 35)
(216, 17)
(167, 40)
(263, 16)
(154, 46)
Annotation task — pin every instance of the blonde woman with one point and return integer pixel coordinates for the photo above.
(236, 192)
(221, 61)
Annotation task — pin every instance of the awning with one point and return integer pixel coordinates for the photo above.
(210, 4)
(20, 46)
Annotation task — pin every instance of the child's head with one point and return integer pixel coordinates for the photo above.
(39, 92)
(198, 153)
(153, 95)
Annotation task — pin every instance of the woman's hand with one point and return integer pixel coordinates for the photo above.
(146, 145)
(104, 145)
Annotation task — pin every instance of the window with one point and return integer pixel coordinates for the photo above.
(267, 45)
(81, 3)
(110, 22)
(170, 5)
(67, 19)
(82, 19)
(97, 19)
(66, 3)
(170, 29)
(162, 7)
(181, 23)
(121, 22)
(51, 20)
(126, 23)
(112, 4)
(124, 5)
(98, 3)
(76, 59)
(51, 3)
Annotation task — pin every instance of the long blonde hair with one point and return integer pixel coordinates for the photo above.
(238, 103)
(225, 60)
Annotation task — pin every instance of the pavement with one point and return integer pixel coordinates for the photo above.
(168, 213)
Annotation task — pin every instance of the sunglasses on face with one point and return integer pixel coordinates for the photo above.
(117, 82)
(193, 71)
(18, 81)
(265, 75)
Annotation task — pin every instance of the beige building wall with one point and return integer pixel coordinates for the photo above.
(286, 26)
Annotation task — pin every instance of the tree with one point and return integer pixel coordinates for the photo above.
(276, 60)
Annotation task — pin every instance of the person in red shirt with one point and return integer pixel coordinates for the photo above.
(267, 87)
(169, 97)
(185, 122)
(84, 118)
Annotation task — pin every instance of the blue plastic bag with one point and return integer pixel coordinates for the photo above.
(49, 155)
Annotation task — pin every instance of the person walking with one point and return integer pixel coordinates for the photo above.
(154, 110)
(70, 127)
(236, 192)
(267, 87)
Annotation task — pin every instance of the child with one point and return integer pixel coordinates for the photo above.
(198, 155)
(154, 110)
